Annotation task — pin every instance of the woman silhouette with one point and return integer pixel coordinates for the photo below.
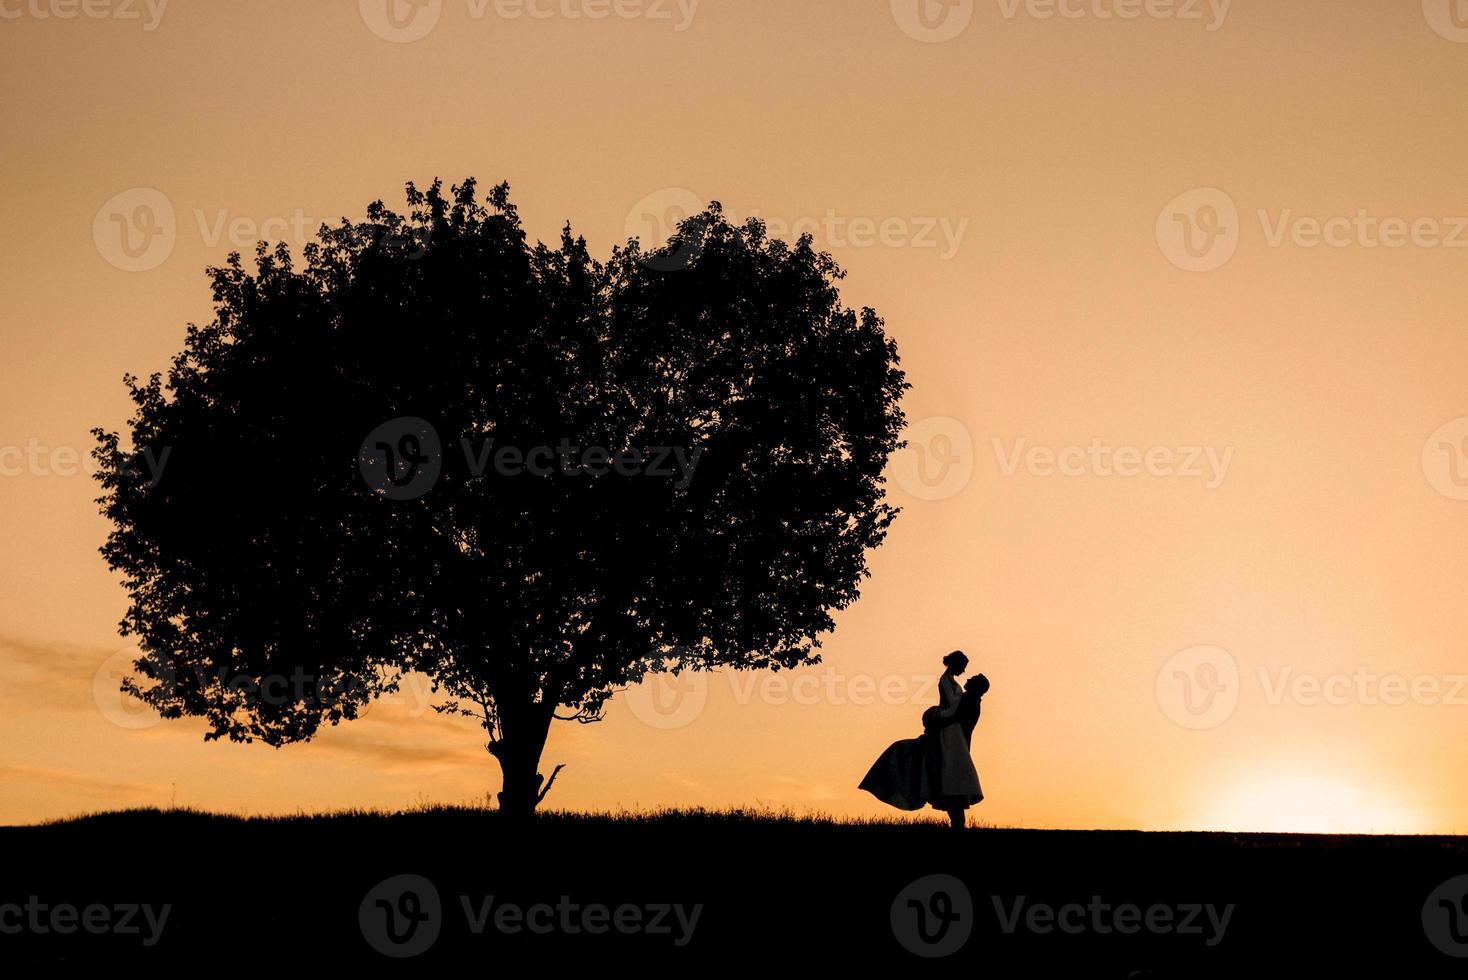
(935, 769)
(956, 785)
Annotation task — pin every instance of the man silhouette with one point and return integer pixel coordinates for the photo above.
(969, 707)
(966, 717)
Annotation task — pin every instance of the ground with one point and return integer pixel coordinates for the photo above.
(435, 887)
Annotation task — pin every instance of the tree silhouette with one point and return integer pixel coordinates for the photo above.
(341, 504)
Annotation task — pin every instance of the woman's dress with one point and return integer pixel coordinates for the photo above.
(900, 776)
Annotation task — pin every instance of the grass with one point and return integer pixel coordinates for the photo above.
(706, 817)
(689, 817)
(779, 888)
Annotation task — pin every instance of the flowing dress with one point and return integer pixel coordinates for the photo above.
(934, 768)
(901, 775)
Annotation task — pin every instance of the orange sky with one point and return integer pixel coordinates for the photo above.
(1103, 240)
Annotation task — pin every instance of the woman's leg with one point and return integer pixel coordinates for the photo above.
(958, 817)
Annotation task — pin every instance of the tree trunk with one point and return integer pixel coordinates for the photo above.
(522, 740)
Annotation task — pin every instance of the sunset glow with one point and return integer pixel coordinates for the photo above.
(1311, 805)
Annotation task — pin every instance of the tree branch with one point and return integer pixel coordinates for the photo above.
(546, 789)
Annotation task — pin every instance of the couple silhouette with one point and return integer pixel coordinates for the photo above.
(935, 769)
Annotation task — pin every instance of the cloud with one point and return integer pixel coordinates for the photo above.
(65, 779)
(47, 675)
(400, 756)
(52, 656)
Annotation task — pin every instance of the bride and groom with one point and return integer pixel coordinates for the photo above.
(935, 768)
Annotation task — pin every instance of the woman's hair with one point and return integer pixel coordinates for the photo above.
(955, 660)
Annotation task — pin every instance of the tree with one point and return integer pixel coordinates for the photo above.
(283, 570)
